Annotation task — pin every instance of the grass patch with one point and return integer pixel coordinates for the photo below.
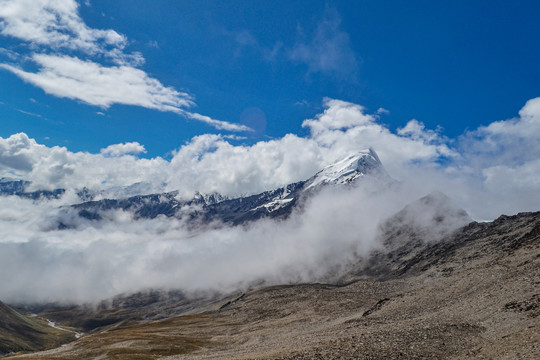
(142, 341)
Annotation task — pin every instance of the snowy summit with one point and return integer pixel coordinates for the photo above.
(347, 170)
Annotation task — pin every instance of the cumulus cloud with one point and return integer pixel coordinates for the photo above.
(505, 142)
(133, 148)
(56, 26)
(344, 126)
(504, 156)
(57, 167)
(417, 130)
(328, 51)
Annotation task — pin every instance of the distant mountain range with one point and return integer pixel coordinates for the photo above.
(277, 203)
(208, 208)
(19, 188)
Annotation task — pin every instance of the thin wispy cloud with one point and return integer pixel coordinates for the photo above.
(11, 55)
(328, 50)
(243, 43)
(94, 84)
(66, 52)
(28, 113)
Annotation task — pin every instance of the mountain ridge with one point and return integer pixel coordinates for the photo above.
(276, 204)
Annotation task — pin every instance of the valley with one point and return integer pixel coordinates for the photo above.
(474, 294)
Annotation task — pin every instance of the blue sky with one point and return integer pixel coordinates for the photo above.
(268, 65)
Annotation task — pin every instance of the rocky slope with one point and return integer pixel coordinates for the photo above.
(20, 332)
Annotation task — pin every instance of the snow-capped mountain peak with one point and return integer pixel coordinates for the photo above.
(347, 170)
(215, 208)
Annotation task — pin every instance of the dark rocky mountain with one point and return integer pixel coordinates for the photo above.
(209, 208)
(203, 208)
(277, 203)
(411, 244)
(18, 188)
(430, 220)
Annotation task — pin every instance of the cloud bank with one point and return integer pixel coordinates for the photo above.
(487, 171)
(91, 263)
(77, 62)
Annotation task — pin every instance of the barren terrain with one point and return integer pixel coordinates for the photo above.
(475, 294)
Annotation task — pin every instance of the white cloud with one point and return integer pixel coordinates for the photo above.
(511, 180)
(344, 127)
(28, 113)
(244, 38)
(14, 153)
(12, 55)
(218, 124)
(211, 163)
(504, 157)
(153, 44)
(328, 51)
(90, 263)
(417, 130)
(133, 148)
(56, 25)
(510, 142)
(94, 84)
(41, 263)
(57, 167)
(339, 115)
